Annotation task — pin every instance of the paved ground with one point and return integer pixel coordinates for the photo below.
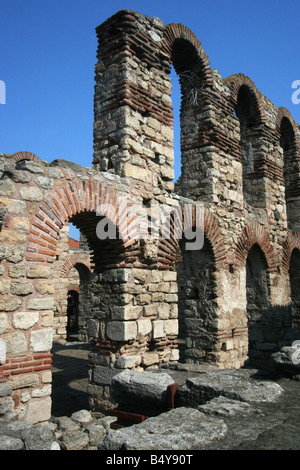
(70, 379)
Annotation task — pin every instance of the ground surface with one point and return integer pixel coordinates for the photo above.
(282, 419)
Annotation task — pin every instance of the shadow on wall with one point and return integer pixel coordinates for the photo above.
(269, 326)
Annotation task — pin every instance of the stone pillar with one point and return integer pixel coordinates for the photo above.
(133, 326)
(133, 125)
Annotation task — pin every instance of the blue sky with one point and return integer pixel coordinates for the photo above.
(48, 54)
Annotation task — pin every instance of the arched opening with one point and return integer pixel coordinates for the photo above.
(257, 289)
(72, 314)
(294, 274)
(88, 301)
(196, 303)
(291, 172)
(247, 112)
(188, 67)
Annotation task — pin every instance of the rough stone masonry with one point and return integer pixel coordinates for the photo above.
(147, 300)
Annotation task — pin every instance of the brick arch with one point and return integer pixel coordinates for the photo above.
(284, 113)
(167, 249)
(251, 234)
(75, 197)
(291, 242)
(172, 32)
(19, 156)
(235, 82)
(72, 260)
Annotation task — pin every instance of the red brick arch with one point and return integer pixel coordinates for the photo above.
(75, 197)
(292, 241)
(284, 113)
(168, 247)
(254, 233)
(178, 31)
(235, 82)
(19, 156)
(72, 260)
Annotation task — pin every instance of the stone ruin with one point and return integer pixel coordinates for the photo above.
(146, 292)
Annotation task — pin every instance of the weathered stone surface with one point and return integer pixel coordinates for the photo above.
(141, 388)
(41, 340)
(21, 288)
(222, 406)
(38, 411)
(38, 438)
(14, 254)
(199, 390)
(16, 344)
(288, 359)
(74, 441)
(121, 331)
(31, 193)
(43, 303)
(82, 417)
(178, 429)
(4, 323)
(11, 443)
(96, 433)
(9, 303)
(25, 320)
(39, 271)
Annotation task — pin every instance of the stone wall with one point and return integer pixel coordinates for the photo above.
(238, 187)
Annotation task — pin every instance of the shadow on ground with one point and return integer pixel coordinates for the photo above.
(69, 378)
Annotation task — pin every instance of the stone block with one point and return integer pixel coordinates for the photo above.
(31, 193)
(133, 171)
(121, 330)
(42, 303)
(158, 329)
(4, 286)
(169, 276)
(14, 254)
(25, 320)
(151, 310)
(16, 271)
(126, 312)
(39, 271)
(128, 362)
(150, 358)
(2, 353)
(20, 223)
(4, 323)
(171, 327)
(38, 410)
(144, 327)
(24, 381)
(21, 288)
(41, 340)
(103, 375)
(9, 303)
(16, 344)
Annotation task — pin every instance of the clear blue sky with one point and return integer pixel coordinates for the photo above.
(48, 54)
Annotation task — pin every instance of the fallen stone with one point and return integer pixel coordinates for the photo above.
(178, 429)
(288, 359)
(74, 441)
(38, 438)
(198, 390)
(66, 424)
(96, 433)
(11, 443)
(82, 417)
(141, 388)
(222, 406)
